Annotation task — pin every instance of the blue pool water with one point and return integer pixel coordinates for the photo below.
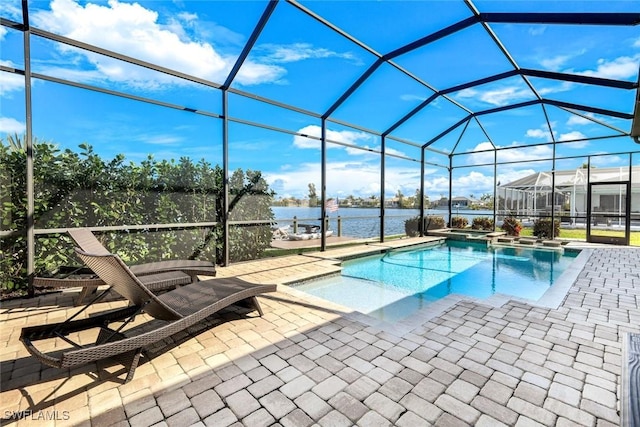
(395, 284)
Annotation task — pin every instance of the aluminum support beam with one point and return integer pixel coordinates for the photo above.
(323, 186)
(598, 81)
(635, 125)
(31, 247)
(451, 29)
(264, 18)
(257, 30)
(562, 18)
(595, 110)
(382, 181)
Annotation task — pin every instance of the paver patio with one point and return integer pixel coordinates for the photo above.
(304, 363)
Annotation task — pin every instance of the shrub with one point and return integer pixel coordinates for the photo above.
(432, 222)
(81, 189)
(512, 226)
(459, 222)
(411, 226)
(482, 223)
(542, 228)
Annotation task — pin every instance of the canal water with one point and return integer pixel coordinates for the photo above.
(364, 222)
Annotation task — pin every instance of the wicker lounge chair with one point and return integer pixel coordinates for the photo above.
(164, 275)
(175, 311)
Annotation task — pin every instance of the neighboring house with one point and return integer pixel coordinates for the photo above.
(460, 202)
(533, 195)
(393, 202)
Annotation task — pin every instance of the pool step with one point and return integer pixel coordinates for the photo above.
(525, 241)
(529, 242)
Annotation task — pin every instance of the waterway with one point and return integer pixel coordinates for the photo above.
(364, 222)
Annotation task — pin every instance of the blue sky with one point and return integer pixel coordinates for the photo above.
(298, 61)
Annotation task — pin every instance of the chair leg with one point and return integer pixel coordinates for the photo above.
(86, 290)
(128, 359)
(134, 364)
(256, 305)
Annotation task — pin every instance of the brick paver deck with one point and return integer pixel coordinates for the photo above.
(305, 363)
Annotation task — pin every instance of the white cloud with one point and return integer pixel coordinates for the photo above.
(538, 133)
(575, 120)
(636, 43)
(570, 136)
(3, 32)
(498, 97)
(411, 97)
(10, 82)
(555, 88)
(609, 160)
(620, 68)
(359, 177)
(363, 153)
(358, 139)
(576, 136)
(133, 30)
(523, 154)
(10, 125)
(347, 137)
(542, 132)
(435, 186)
(536, 30)
(159, 139)
(483, 153)
(11, 9)
(343, 179)
(297, 52)
(362, 179)
(555, 63)
(507, 175)
(473, 183)
(187, 17)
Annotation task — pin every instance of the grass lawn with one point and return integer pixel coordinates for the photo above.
(581, 234)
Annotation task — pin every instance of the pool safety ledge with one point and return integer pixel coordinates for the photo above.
(466, 234)
(525, 242)
(497, 238)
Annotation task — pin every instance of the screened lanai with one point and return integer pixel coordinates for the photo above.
(196, 129)
(567, 192)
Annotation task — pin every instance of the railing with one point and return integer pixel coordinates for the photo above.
(351, 226)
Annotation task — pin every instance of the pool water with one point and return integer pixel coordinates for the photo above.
(393, 285)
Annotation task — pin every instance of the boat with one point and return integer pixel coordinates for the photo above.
(309, 236)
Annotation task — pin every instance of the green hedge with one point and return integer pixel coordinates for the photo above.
(431, 222)
(77, 189)
(459, 222)
(482, 223)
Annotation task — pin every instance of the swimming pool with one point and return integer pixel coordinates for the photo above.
(393, 285)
